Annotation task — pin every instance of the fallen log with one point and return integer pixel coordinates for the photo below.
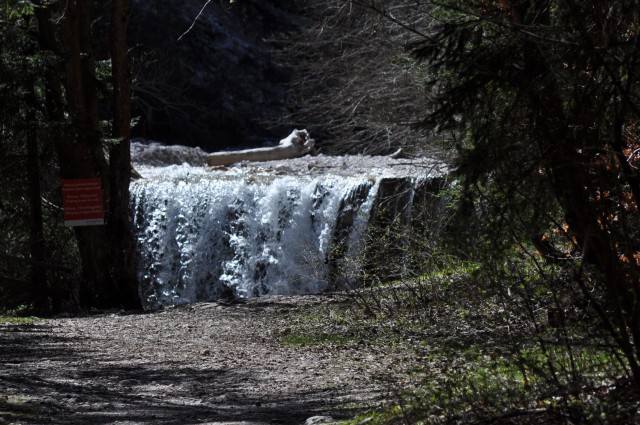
(298, 143)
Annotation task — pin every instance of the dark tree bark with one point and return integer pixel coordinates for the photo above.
(38, 273)
(54, 108)
(122, 241)
(83, 157)
(107, 252)
(53, 83)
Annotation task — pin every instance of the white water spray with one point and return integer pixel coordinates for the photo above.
(201, 235)
(206, 234)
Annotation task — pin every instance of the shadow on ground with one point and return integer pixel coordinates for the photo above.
(47, 379)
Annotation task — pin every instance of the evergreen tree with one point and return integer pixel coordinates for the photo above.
(542, 96)
(21, 211)
(52, 91)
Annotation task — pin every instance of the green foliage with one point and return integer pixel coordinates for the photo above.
(14, 58)
(14, 10)
(488, 352)
(13, 320)
(22, 110)
(541, 98)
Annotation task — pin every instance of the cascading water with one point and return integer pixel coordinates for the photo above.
(244, 232)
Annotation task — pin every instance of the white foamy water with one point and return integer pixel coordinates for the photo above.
(249, 230)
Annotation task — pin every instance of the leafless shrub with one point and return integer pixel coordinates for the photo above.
(357, 88)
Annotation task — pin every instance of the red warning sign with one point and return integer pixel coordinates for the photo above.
(82, 202)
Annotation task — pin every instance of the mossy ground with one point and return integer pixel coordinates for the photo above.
(472, 354)
(16, 320)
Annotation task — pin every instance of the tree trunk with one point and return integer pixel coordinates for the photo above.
(574, 180)
(298, 143)
(569, 165)
(53, 93)
(47, 42)
(36, 234)
(84, 157)
(122, 241)
(107, 252)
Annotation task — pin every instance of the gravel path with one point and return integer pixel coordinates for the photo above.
(203, 363)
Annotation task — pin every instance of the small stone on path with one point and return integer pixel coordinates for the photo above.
(319, 420)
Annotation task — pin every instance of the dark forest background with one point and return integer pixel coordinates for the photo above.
(249, 72)
(533, 102)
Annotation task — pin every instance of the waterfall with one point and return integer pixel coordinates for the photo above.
(206, 234)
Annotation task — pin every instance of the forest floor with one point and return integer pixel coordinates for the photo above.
(236, 362)
(439, 349)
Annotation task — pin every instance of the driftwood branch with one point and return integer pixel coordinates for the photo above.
(298, 143)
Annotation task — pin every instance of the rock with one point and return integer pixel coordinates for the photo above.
(285, 331)
(153, 153)
(319, 420)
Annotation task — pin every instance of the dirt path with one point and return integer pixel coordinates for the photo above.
(204, 363)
